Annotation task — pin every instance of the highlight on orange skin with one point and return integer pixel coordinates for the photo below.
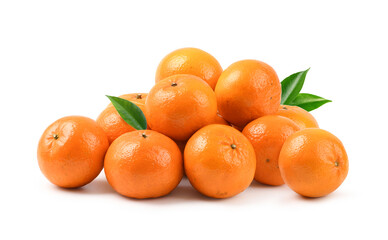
(191, 61)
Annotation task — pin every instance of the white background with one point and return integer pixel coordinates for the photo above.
(60, 58)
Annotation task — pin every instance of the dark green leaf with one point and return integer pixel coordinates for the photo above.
(131, 113)
(292, 85)
(308, 101)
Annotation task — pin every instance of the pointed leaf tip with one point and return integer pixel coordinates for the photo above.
(129, 112)
(292, 85)
(309, 101)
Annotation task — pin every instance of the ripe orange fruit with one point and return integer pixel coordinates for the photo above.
(71, 151)
(111, 121)
(192, 61)
(247, 90)
(143, 164)
(180, 105)
(267, 135)
(300, 116)
(313, 162)
(219, 161)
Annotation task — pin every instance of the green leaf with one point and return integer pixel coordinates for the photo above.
(292, 85)
(131, 113)
(309, 101)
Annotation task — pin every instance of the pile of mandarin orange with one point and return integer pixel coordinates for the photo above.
(221, 128)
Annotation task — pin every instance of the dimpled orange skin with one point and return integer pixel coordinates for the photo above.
(219, 161)
(247, 90)
(180, 105)
(143, 164)
(192, 61)
(111, 121)
(300, 116)
(267, 135)
(313, 162)
(71, 151)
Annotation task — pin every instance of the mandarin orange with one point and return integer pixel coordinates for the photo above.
(219, 161)
(71, 151)
(180, 105)
(247, 90)
(267, 135)
(143, 164)
(313, 162)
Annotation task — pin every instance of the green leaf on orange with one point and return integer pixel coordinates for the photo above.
(130, 113)
(292, 85)
(309, 101)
